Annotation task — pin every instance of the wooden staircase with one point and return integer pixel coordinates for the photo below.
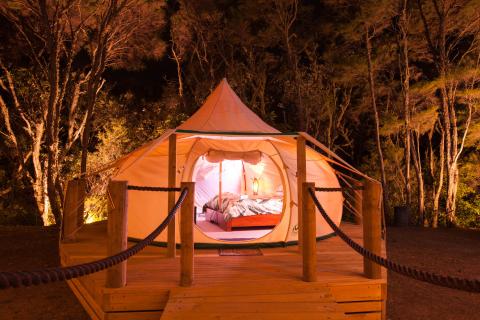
(262, 300)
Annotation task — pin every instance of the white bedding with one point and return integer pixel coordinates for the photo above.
(233, 206)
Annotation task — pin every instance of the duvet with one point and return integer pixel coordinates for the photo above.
(233, 206)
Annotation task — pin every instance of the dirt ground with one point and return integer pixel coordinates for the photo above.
(454, 252)
(447, 251)
(27, 248)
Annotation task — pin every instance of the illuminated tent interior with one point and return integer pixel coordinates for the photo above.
(245, 173)
(249, 184)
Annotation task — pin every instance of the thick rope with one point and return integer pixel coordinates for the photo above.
(156, 189)
(471, 285)
(28, 278)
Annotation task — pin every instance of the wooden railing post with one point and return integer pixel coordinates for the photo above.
(372, 233)
(172, 172)
(301, 178)
(186, 236)
(309, 234)
(117, 232)
(73, 209)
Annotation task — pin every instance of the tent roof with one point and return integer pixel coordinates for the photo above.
(225, 112)
(225, 115)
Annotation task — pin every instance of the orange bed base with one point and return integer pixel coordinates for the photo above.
(260, 220)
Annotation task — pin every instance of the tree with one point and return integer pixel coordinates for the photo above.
(404, 70)
(55, 36)
(457, 26)
(437, 182)
(24, 138)
(43, 30)
(372, 18)
(390, 85)
(114, 27)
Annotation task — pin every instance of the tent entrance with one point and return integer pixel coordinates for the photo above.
(238, 195)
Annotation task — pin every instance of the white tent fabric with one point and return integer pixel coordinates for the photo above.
(226, 125)
(224, 111)
(252, 157)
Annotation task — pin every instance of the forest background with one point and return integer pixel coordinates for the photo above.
(392, 86)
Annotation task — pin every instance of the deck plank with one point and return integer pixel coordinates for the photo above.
(265, 300)
(151, 276)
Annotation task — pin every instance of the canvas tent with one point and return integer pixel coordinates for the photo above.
(224, 129)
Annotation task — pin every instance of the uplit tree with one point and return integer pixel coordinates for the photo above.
(451, 35)
(68, 44)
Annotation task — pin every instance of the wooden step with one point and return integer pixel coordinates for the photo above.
(263, 300)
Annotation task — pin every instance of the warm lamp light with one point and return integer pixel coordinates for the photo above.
(255, 185)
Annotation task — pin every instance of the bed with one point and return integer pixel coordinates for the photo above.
(241, 212)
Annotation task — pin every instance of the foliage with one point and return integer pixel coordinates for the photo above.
(113, 142)
(51, 74)
(424, 121)
(469, 193)
(473, 137)
(300, 65)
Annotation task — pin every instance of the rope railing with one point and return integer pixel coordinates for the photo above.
(470, 285)
(28, 278)
(155, 189)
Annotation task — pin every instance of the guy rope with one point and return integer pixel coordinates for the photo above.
(27, 278)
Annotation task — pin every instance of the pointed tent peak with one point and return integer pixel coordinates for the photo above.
(223, 111)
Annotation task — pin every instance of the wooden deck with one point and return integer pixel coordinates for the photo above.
(263, 300)
(152, 279)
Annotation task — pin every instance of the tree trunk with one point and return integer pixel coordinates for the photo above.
(417, 161)
(179, 70)
(296, 82)
(51, 122)
(92, 89)
(451, 165)
(453, 174)
(450, 136)
(91, 97)
(38, 173)
(99, 58)
(406, 97)
(452, 186)
(371, 82)
(287, 15)
(437, 190)
(441, 59)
